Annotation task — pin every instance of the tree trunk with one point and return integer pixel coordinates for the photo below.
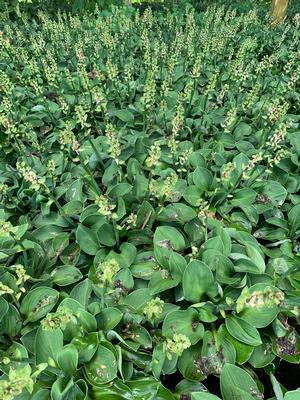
(279, 8)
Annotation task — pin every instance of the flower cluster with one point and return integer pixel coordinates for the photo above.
(154, 308)
(149, 92)
(203, 208)
(227, 171)
(4, 289)
(155, 153)
(22, 277)
(254, 161)
(3, 189)
(230, 119)
(6, 229)
(30, 176)
(164, 188)
(177, 125)
(129, 222)
(105, 207)
(183, 160)
(176, 346)
(114, 146)
(106, 270)
(18, 380)
(68, 138)
(58, 320)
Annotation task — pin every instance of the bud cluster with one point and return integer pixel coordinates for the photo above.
(177, 345)
(106, 271)
(153, 309)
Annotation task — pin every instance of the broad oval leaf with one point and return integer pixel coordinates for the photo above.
(38, 302)
(185, 322)
(237, 384)
(198, 282)
(242, 331)
(166, 240)
(102, 368)
(48, 343)
(260, 304)
(87, 240)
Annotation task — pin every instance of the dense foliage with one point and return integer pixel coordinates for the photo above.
(75, 6)
(84, 6)
(150, 208)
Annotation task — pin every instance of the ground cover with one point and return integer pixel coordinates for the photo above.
(150, 208)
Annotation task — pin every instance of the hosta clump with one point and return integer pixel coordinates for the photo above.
(149, 218)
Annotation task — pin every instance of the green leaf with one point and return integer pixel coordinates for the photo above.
(244, 196)
(11, 322)
(149, 388)
(73, 207)
(141, 336)
(42, 394)
(256, 256)
(176, 212)
(237, 384)
(87, 240)
(193, 195)
(204, 396)
(198, 281)
(115, 391)
(243, 331)
(158, 359)
(106, 235)
(225, 271)
(109, 318)
(268, 301)
(65, 275)
(120, 190)
(177, 264)
(276, 388)
(67, 359)
(81, 292)
(63, 388)
(124, 115)
(84, 322)
(161, 281)
(243, 351)
(275, 192)
(203, 179)
(185, 387)
(126, 256)
(138, 298)
(38, 302)
(47, 344)
(242, 130)
(86, 346)
(294, 219)
(166, 240)
(102, 368)
(109, 173)
(292, 395)
(47, 232)
(243, 263)
(261, 356)
(145, 215)
(3, 307)
(185, 322)
(187, 364)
